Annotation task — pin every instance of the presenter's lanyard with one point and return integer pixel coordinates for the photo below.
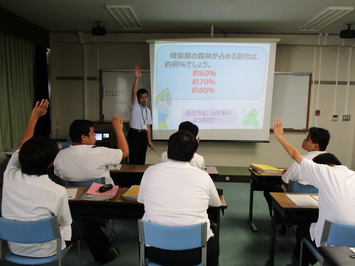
(145, 118)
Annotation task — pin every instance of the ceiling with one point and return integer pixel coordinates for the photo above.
(182, 16)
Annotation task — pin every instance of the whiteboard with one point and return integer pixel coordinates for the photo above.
(290, 96)
(116, 92)
(290, 100)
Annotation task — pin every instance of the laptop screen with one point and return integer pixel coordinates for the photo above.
(102, 139)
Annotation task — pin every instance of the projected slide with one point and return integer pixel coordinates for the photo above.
(225, 88)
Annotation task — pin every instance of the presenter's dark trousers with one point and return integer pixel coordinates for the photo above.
(89, 230)
(137, 142)
(186, 257)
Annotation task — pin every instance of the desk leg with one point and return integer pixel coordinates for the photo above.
(251, 199)
(270, 261)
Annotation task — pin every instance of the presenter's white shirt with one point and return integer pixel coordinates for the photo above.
(31, 198)
(336, 195)
(293, 173)
(139, 115)
(86, 163)
(197, 161)
(177, 193)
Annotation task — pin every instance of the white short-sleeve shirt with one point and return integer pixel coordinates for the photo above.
(31, 198)
(336, 195)
(177, 193)
(139, 115)
(86, 163)
(293, 173)
(197, 161)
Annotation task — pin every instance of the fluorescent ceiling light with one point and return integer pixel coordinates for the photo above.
(327, 17)
(125, 16)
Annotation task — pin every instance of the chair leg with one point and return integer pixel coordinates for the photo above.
(79, 253)
(301, 253)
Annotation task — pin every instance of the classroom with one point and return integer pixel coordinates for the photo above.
(76, 59)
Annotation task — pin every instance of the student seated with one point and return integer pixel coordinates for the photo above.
(198, 160)
(29, 195)
(336, 185)
(177, 193)
(83, 161)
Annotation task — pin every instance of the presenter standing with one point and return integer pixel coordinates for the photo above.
(139, 133)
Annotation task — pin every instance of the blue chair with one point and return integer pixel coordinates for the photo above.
(333, 234)
(296, 187)
(30, 232)
(171, 238)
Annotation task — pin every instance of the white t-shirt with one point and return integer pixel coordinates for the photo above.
(86, 163)
(293, 173)
(31, 198)
(176, 193)
(197, 161)
(336, 195)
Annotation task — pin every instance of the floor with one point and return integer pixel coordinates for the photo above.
(239, 246)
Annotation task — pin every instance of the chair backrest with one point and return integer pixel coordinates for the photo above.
(296, 187)
(40, 231)
(338, 234)
(82, 183)
(173, 237)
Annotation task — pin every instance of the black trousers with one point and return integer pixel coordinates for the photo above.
(89, 230)
(137, 142)
(186, 257)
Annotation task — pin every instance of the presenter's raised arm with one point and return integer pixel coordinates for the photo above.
(138, 74)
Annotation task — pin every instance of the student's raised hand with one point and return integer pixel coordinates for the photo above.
(40, 108)
(117, 122)
(278, 129)
(137, 71)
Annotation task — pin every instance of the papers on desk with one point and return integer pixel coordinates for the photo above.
(304, 200)
(93, 193)
(115, 167)
(72, 193)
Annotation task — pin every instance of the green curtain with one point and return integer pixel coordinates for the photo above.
(17, 62)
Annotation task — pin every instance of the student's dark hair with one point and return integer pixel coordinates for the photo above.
(37, 154)
(326, 158)
(187, 125)
(78, 128)
(141, 91)
(182, 146)
(319, 136)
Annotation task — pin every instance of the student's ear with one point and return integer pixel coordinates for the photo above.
(316, 146)
(83, 139)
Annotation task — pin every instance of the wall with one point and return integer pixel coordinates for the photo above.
(75, 65)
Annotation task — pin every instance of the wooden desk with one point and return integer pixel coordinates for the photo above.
(284, 209)
(118, 208)
(337, 256)
(259, 182)
(131, 174)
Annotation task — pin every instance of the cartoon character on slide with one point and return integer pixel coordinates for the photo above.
(251, 118)
(162, 103)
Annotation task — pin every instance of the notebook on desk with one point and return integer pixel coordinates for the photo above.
(131, 193)
(93, 193)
